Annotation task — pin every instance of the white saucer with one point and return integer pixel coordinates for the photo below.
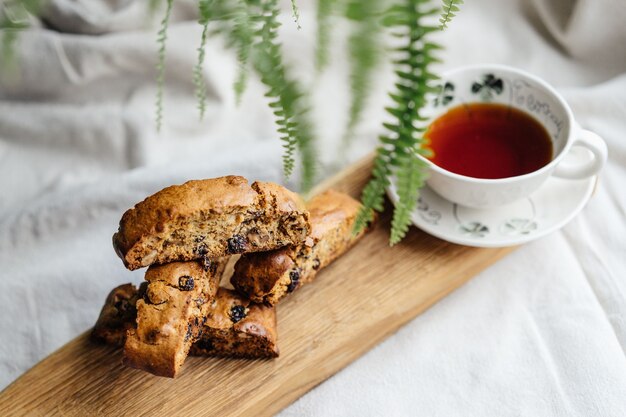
(546, 210)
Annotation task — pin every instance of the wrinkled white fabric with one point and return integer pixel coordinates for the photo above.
(541, 333)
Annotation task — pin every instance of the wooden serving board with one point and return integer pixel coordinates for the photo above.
(354, 304)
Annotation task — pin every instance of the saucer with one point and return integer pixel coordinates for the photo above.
(548, 209)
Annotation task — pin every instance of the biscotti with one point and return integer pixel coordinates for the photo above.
(235, 327)
(170, 315)
(266, 277)
(210, 219)
(118, 314)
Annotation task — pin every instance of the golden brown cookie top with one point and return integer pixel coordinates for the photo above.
(148, 216)
(328, 210)
(285, 200)
(229, 194)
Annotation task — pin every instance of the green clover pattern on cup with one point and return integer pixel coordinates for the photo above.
(488, 87)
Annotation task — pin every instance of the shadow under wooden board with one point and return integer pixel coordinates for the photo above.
(354, 304)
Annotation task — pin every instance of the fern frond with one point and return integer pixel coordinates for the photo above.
(235, 21)
(286, 97)
(243, 38)
(198, 75)
(397, 154)
(161, 40)
(306, 148)
(325, 9)
(296, 13)
(372, 197)
(410, 178)
(449, 10)
(250, 27)
(364, 49)
(241, 82)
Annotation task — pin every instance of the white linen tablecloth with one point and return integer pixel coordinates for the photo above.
(541, 333)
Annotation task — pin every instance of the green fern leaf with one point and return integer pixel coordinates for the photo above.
(449, 7)
(397, 155)
(235, 20)
(325, 9)
(161, 40)
(287, 100)
(296, 13)
(204, 7)
(243, 32)
(364, 49)
(410, 178)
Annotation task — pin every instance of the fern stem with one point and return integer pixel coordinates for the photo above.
(324, 11)
(198, 73)
(296, 13)
(364, 50)
(161, 40)
(244, 35)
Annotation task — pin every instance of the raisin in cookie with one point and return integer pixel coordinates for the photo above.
(266, 277)
(235, 327)
(170, 315)
(210, 218)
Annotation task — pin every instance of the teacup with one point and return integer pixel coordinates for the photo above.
(518, 89)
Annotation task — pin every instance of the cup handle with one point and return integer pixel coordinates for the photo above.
(597, 146)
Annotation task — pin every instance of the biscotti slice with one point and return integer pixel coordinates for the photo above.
(118, 314)
(225, 334)
(170, 315)
(237, 328)
(267, 277)
(210, 219)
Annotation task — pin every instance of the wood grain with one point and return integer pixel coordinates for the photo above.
(355, 303)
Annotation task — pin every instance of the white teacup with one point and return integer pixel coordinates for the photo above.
(512, 87)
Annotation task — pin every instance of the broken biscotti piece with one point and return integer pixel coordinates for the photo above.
(268, 276)
(118, 314)
(170, 315)
(210, 219)
(235, 327)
